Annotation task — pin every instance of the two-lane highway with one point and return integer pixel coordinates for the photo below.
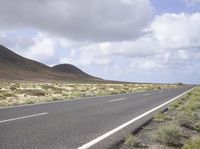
(77, 123)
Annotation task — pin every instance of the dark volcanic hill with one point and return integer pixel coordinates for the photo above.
(16, 67)
(68, 68)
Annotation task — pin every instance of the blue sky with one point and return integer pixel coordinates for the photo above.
(175, 6)
(128, 40)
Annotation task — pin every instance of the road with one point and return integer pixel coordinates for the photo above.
(77, 123)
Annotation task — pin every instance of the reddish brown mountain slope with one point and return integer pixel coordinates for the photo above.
(16, 67)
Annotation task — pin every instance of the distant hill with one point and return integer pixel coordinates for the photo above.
(16, 67)
(68, 68)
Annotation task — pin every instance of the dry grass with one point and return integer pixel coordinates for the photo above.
(131, 140)
(17, 93)
(169, 134)
(176, 128)
(194, 143)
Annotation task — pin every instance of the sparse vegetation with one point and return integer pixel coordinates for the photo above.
(176, 104)
(32, 92)
(194, 143)
(169, 134)
(131, 141)
(16, 93)
(186, 120)
(197, 126)
(176, 127)
(161, 117)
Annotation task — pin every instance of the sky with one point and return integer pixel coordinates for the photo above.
(129, 40)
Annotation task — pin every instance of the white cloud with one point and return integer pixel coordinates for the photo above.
(115, 36)
(176, 30)
(145, 64)
(166, 32)
(89, 20)
(86, 56)
(172, 43)
(43, 49)
(16, 39)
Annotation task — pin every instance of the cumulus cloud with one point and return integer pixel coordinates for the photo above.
(108, 37)
(32, 44)
(43, 49)
(172, 43)
(86, 56)
(18, 40)
(88, 20)
(176, 30)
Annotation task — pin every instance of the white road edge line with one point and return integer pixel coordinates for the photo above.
(19, 118)
(104, 136)
(117, 99)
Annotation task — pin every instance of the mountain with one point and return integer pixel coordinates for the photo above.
(68, 68)
(16, 67)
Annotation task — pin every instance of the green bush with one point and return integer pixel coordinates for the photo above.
(176, 104)
(197, 126)
(192, 105)
(192, 144)
(13, 88)
(57, 91)
(56, 99)
(33, 92)
(168, 135)
(161, 117)
(7, 94)
(2, 97)
(30, 102)
(46, 87)
(186, 120)
(131, 140)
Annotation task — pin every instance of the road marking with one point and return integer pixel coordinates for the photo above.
(104, 136)
(19, 118)
(147, 94)
(117, 99)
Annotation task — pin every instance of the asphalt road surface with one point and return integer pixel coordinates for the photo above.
(84, 123)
